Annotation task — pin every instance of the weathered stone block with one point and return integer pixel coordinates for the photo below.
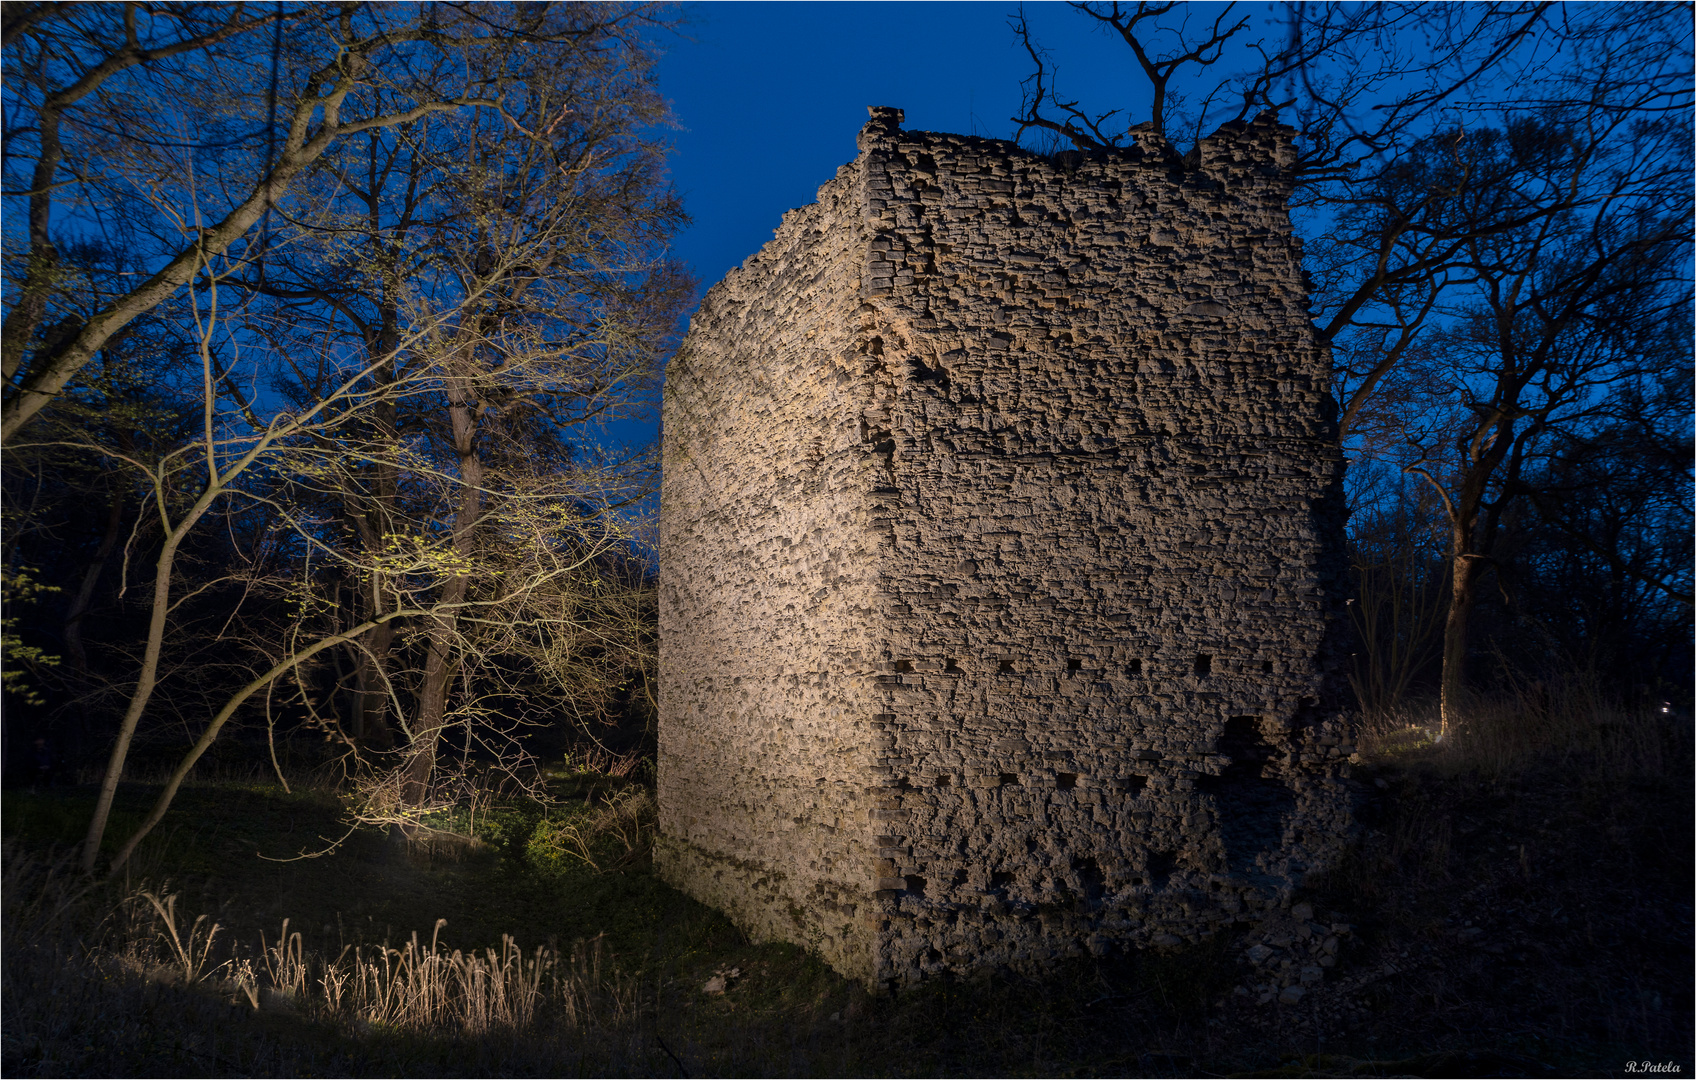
(1001, 557)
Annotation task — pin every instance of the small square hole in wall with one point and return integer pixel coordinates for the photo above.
(1074, 664)
(915, 884)
(942, 780)
(1203, 664)
(1000, 880)
(1134, 784)
(904, 666)
(1134, 667)
(1006, 666)
(1009, 780)
(1066, 781)
(1266, 667)
(951, 666)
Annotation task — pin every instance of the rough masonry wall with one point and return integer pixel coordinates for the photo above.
(1090, 698)
(769, 611)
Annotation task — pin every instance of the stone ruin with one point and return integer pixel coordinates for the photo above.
(1001, 555)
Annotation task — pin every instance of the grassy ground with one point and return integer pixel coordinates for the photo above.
(1519, 903)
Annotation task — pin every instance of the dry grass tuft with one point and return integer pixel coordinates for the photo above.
(413, 987)
(1572, 723)
(118, 964)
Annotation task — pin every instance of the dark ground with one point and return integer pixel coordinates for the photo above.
(1527, 919)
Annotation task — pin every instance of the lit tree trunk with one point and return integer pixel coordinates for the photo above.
(1468, 551)
(162, 570)
(375, 522)
(438, 663)
(1462, 591)
(432, 697)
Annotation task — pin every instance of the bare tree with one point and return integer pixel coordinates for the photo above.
(1472, 182)
(1612, 542)
(1560, 320)
(552, 219)
(106, 99)
(1370, 87)
(461, 282)
(183, 487)
(1398, 546)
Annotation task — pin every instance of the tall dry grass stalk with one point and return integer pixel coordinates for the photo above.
(41, 896)
(599, 761)
(429, 989)
(415, 987)
(190, 950)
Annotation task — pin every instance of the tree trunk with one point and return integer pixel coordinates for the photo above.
(374, 518)
(163, 570)
(1462, 591)
(438, 666)
(371, 691)
(432, 696)
(138, 698)
(79, 604)
(1469, 550)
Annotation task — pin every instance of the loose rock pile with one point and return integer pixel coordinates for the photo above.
(1290, 955)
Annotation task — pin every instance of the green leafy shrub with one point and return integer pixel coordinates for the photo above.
(617, 831)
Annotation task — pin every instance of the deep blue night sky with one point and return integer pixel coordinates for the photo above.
(770, 96)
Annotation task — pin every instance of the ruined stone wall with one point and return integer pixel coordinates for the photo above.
(1084, 477)
(770, 613)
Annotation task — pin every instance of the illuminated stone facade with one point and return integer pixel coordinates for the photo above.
(1001, 541)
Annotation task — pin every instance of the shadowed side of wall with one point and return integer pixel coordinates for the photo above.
(1109, 704)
